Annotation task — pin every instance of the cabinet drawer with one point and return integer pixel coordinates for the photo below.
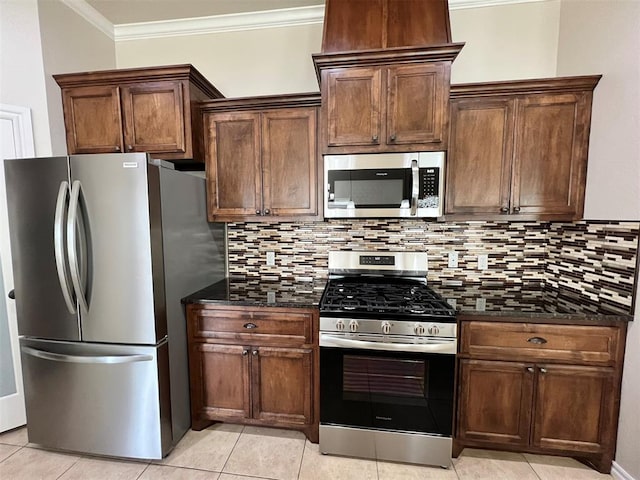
(535, 342)
(252, 326)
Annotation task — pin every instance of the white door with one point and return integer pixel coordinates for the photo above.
(16, 141)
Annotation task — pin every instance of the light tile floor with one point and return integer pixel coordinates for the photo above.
(234, 452)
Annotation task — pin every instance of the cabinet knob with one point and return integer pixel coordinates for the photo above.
(258, 212)
(392, 138)
(129, 147)
(117, 149)
(504, 210)
(516, 209)
(254, 353)
(245, 352)
(374, 139)
(267, 212)
(543, 370)
(530, 369)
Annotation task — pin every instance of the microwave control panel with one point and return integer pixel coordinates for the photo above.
(429, 195)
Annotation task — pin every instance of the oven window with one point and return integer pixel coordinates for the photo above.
(385, 380)
(387, 390)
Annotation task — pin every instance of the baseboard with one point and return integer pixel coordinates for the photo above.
(620, 473)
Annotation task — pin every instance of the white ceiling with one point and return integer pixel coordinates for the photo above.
(135, 11)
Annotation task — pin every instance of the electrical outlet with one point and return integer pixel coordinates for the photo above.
(453, 259)
(483, 261)
(481, 303)
(271, 258)
(271, 297)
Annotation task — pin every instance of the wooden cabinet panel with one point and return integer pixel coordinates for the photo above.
(518, 153)
(352, 25)
(154, 117)
(535, 342)
(572, 408)
(495, 401)
(289, 165)
(417, 103)
(353, 106)
(281, 387)
(234, 177)
(548, 161)
(224, 373)
(416, 22)
(479, 157)
(92, 119)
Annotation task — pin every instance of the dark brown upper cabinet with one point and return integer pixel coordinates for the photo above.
(386, 100)
(262, 158)
(518, 150)
(377, 24)
(150, 110)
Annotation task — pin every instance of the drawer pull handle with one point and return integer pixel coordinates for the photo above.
(250, 325)
(537, 340)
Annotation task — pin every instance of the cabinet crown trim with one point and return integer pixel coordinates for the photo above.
(311, 99)
(525, 87)
(136, 75)
(386, 56)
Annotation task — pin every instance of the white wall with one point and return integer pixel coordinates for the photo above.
(506, 42)
(254, 62)
(21, 66)
(601, 36)
(69, 44)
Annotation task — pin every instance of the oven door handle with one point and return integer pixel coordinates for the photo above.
(328, 340)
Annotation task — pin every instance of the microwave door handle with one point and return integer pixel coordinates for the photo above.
(415, 187)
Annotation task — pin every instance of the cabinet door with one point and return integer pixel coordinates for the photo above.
(480, 156)
(92, 119)
(495, 401)
(232, 156)
(154, 117)
(417, 103)
(574, 408)
(282, 385)
(551, 155)
(289, 162)
(219, 381)
(353, 105)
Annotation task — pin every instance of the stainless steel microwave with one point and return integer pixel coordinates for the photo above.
(382, 185)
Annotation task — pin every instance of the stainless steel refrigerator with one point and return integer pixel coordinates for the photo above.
(103, 249)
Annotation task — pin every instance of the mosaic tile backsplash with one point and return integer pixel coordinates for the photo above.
(596, 260)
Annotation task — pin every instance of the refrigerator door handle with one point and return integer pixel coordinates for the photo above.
(77, 260)
(101, 359)
(58, 247)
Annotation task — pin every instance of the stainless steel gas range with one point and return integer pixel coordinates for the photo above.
(387, 360)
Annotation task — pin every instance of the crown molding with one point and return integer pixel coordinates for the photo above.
(92, 16)
(285, 17)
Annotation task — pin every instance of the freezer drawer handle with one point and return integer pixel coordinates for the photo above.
(59, 357)
(58, 247)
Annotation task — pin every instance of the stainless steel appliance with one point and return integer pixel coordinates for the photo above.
(103, 248)
(387, 358)
(403, 185)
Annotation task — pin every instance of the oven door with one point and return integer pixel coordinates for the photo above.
(387, 390)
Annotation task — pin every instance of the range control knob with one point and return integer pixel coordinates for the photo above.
(433, 330)
(419, 329)
(339, 325)
(353, 326)
(386, 328)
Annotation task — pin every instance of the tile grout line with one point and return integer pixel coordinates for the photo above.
(231, 451)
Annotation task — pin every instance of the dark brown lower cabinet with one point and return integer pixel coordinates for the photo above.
(540, 388)
(255, 367)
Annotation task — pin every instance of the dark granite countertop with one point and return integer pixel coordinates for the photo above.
(257, 292)
(530, 301)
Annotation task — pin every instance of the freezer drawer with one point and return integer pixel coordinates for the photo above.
(96, 398)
